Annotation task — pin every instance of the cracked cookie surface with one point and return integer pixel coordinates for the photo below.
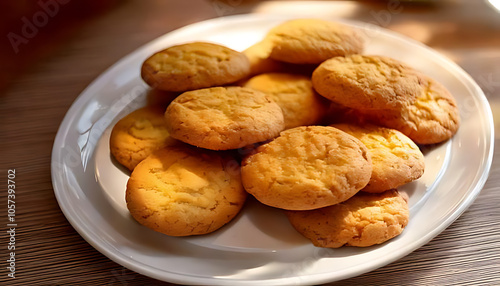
(396, 159)
(433, 118)
(138, 134)
(364, 220)
(222, 118)
(193, 66)
(367, 82)
(301, 105)
(312, 41)
(307, 168)
(181, 191)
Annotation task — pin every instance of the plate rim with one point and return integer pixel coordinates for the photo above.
(119, 258)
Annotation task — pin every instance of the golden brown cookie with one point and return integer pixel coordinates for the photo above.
(312, 41)
(367, 82)
(260, 62)
(138, 134)
(300, 104)
(193, 66)
(363, 220)
(396, 159)
(433, 118)
(182, 191)
(306, 168)
(222, 118)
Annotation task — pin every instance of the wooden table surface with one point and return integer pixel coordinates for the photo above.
(44, 71)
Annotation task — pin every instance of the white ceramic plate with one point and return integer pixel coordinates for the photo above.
(259, 246)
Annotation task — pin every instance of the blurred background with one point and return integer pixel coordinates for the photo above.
(89, 36)
(467, 31)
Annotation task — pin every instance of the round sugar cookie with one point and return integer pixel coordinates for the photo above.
(181, 191)
(222, 118)
(367, 82)
(260, 62)
(312, 41)
(396, 159)
(306, 168)
(363, 220)
(138, 134)
(194, 65)
(433, 118)
(300, 104)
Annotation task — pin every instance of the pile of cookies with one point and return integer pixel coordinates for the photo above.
(302, 121)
